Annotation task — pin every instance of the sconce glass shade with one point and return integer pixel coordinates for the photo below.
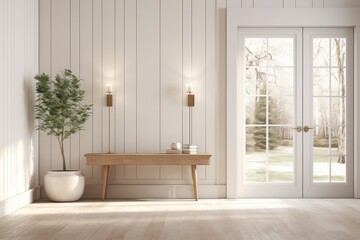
(190, 88)
(109, 88)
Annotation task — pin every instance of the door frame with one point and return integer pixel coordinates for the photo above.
(238, 18)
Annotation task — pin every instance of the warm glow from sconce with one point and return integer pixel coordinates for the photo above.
(109, 88)
(190, 88)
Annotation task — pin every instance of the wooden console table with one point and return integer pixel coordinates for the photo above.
(107, 159)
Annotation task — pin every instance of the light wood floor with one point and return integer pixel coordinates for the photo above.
(186, 219)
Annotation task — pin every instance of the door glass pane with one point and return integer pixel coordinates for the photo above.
(338, 170)
(280, 110)
(321, 140)
(280, 81)
(255, 168)
(270, 111)
(280, 168)
(321, 168)
(329, 109)
(338, 83)
(338, 141)
(254, 79)
(321, 49)
(321, 82)
(321, 110)
(338, 52)
(281, 52)
(256, 51)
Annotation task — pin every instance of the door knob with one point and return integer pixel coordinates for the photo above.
(298, 128)
(306, 128)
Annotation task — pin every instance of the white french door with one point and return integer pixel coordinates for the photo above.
(296, 112)
(328, 87)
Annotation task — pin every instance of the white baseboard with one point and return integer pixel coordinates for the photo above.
(19, 201)
(132, 191)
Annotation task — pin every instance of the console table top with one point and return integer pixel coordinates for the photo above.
(147, 159)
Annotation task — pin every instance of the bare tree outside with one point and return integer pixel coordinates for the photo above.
(340, 76)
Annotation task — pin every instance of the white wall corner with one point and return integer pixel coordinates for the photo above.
(19, 201)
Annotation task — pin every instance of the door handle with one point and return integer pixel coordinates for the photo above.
(298, 128)
(306, 128)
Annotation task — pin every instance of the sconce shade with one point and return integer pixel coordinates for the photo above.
(190, 88)
(109, 100)
(109, 88)
(191, 100)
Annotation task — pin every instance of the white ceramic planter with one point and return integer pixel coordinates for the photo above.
(64, 186)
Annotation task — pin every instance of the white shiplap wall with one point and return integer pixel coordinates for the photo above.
(18, 65)
(149, 50)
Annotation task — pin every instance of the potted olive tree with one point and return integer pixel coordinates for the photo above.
(60, 113)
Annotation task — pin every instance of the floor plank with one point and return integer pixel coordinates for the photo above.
(186, 219)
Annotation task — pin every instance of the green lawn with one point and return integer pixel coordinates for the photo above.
(279, 167)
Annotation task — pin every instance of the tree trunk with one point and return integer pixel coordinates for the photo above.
(341, 79)
(61, 143)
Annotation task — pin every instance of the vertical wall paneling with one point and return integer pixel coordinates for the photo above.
(75, 67)
(8, 106)
(119, 82)
(148, 83)
(210, 94)
(32, 69)
(221, 92)
(289, 3)
(86, 73)
(60, 44)
(45, 53)
(18, 65)
(268, 3)
(247, 3)
(171, 81)
(186, 74)
(318, 3)
(108, 74)
(304, 3)
(149, 50)
(98, 84)
(8, 96)
(2, 95)
(130, 83)
(198, 78)
(18, 106)
(35, 70)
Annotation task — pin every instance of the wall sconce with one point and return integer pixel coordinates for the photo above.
(109, 99)
(191, 104)
(189, 148)
(191, 96)
(109, 104)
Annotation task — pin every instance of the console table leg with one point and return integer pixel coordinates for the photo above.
(104, 180)
(194, 176)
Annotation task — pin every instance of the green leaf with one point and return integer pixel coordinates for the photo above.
(59, 106)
